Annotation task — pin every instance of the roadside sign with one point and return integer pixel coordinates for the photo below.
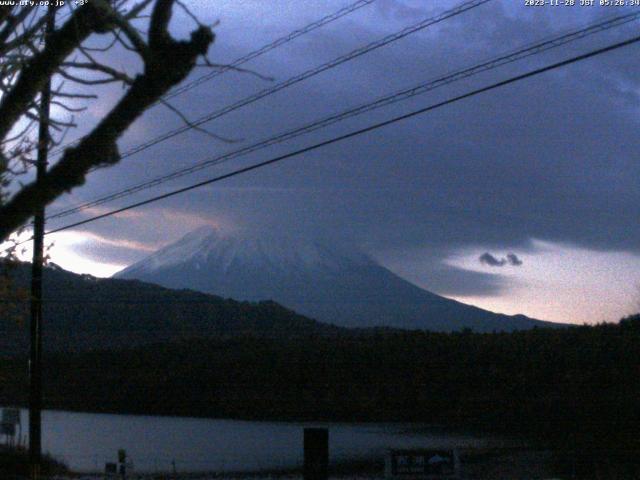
(422, 463)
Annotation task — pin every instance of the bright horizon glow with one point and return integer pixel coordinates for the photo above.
(60, 250)
(561, 283)
(556, 282)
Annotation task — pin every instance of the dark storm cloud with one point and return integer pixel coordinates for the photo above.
(492, 261)
(488, 259)
(513, 260)
(428, 270)
(552, 158)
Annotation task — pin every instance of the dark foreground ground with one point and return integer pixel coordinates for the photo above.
(517, 463)
(574, 392)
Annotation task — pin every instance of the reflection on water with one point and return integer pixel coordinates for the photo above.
(85, 441)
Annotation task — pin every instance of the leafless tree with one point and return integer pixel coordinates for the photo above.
(71, 57)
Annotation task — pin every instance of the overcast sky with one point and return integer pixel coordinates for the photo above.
(545, 169)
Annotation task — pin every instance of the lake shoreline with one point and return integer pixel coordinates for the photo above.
(480, 464)
(417, 427)
(86, 441)
(267, 444)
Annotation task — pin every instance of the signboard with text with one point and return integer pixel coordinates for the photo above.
(422, 463)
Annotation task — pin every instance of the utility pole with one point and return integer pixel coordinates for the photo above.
(35, 351)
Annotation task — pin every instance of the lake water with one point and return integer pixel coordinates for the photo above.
(85, 441)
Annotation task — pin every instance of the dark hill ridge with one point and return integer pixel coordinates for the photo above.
(332, 283)
(83, 312)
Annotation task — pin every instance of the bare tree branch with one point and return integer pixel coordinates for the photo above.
(62, 42)
(166, 63)
(195, 127)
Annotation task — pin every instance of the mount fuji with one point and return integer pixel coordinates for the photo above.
(334, 284)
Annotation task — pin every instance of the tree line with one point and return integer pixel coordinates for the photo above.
(576, 387)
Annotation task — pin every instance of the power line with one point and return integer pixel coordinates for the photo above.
(254, 54)
(267, 48)
(531, 49)
(355, 133)
(462, 8)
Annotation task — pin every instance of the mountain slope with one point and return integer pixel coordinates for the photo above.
(83, 312)
(333, 284)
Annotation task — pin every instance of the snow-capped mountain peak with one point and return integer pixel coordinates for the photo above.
(222, 250)
(331, 281)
